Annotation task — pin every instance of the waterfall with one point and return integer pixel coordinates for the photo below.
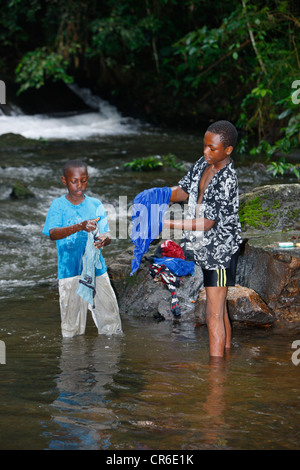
(103, 119)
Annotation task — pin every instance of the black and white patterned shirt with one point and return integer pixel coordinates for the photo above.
(214, 248)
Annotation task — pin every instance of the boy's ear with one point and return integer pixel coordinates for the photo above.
(64, 180)
(229, 150)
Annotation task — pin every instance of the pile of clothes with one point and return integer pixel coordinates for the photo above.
(168, 265)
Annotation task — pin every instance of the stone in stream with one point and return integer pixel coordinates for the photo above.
(270, 215)
(244, 305)
(21, 191)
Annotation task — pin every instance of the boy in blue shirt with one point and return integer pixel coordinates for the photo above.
(69, 220)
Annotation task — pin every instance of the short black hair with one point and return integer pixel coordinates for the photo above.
(227, 132)
(74, 164)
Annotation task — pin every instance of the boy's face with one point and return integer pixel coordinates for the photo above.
(76, 180)
(214, 151)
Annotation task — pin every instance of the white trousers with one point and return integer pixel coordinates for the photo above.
(73, 308)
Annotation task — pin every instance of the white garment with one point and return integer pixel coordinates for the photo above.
(73, 308)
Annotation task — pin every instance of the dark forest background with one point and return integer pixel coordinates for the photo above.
(173, 62)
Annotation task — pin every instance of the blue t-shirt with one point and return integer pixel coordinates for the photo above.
(70, 250)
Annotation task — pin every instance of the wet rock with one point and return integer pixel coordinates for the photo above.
(13, 141)
(269, 215)
(21, 191)
(270, 208)
(140, 295)
(273, 273)
(244, 305)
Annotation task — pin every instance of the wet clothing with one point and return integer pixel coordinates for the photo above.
(171, 282)
(82, 273)
(214, 248)
(73, 308)
(177, 266)
(70, 250)
(170, 249)
(149, 208)
(91, 261)
(170, 270)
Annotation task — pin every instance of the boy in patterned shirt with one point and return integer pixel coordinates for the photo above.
(211, 229)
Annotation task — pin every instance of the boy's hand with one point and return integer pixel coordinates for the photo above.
(90, 225)
(104, 240)
(62, 232)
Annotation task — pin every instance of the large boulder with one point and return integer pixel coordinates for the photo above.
(244, 305)
(273, 273)
(271, 208)
(270, 215)
(140, 295)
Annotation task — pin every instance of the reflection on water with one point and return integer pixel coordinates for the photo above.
(81, 410)
(152, 388)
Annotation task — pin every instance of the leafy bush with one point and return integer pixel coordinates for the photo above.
(282, 168)
(38, 66)
(155, 162)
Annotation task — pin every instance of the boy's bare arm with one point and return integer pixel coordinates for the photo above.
(178, 195)
(200, 224)
(62, 232)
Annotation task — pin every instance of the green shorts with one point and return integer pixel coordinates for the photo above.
(221, 277)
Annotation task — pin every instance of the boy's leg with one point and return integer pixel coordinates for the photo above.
(227, 325)
(219, 330)
(106, 312)
(73, 308)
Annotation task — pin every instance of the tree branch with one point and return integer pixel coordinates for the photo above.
(252, 39)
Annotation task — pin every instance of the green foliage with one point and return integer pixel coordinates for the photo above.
(39, 65)
(282, 168)
(288, 141)
(144, 164)
(194, 59)
(253, 58)
(114, 34)
(171, 161)
(155, 162)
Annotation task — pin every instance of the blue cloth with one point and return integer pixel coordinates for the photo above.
(149, 208)
(177, 266)
(70, 250)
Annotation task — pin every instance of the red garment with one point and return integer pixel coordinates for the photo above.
(170, 249)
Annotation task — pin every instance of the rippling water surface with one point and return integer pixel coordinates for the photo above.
(154, 387)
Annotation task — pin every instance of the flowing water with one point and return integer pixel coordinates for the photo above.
(154, 387)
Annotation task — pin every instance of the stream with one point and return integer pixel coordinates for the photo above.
(154, 387)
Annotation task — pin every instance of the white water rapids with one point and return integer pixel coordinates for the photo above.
(103, 119)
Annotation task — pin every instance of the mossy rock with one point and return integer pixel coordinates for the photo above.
(12, 141)
(21, 191)
(272, 207)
